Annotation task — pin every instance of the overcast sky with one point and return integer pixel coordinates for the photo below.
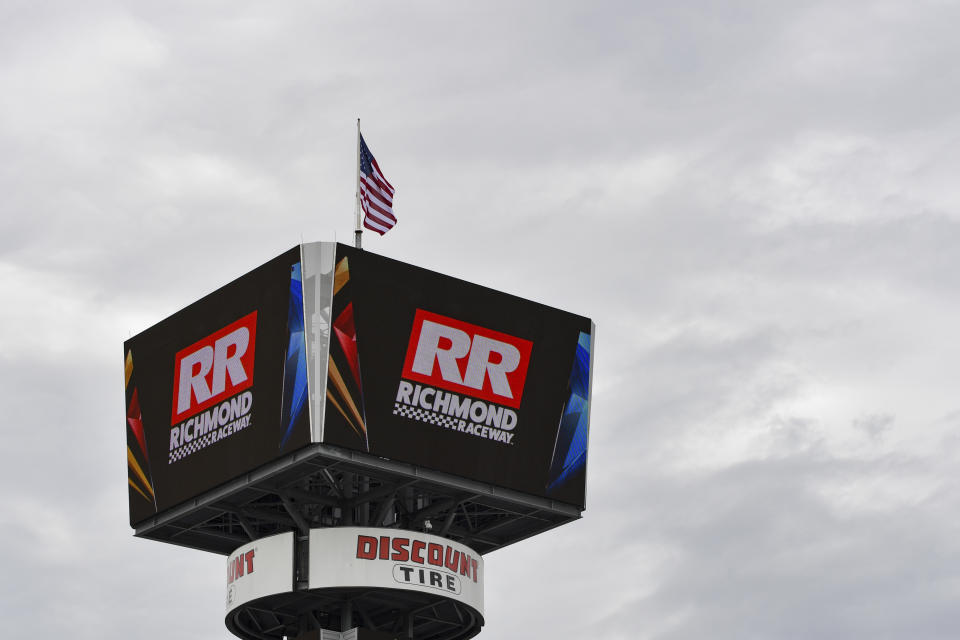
(758, 204)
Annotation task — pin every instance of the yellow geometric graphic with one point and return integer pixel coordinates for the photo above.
(341, 275)
(343, 413)
(341, 388)
(137, 489)
(133, 464)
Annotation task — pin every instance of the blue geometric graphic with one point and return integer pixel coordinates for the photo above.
(570, 450)
(295, 367)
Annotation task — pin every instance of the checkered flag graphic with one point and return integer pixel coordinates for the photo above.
(190, 448)
(423, 415)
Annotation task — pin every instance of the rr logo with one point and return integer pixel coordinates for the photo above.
(214, 368)
(465, 358)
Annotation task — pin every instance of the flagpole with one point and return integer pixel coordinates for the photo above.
(358, 230)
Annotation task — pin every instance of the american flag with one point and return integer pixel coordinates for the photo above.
(376, 194)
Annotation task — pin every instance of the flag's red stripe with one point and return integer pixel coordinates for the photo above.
(386, 213)
(381, 205)
(379, 224)
(377, 171)
(373, 187)
(371, 206)
(384, 220)
(380, 184)
(387, 221)
(373, 162)
(376, 204)
(374, 228)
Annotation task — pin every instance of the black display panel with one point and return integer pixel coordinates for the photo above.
(453, 376)
(217, 389)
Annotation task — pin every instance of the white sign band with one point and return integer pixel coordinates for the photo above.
(396, 559)
(261, 568)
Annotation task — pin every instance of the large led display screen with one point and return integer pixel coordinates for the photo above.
(329, 344)
(428, 369)
(217, 389)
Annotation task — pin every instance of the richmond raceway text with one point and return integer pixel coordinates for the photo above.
(457, 413)
(210, 426)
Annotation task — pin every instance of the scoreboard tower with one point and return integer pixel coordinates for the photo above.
(355, 433)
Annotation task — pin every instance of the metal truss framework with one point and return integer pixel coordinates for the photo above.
(395, 613)
(325, 486)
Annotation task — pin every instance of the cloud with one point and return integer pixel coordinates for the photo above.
(756, 203)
